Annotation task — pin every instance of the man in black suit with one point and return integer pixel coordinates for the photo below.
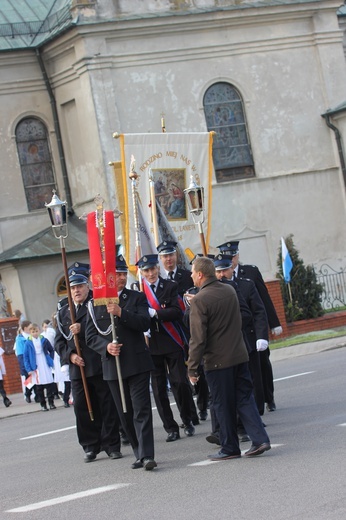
(253, 273)
(103, 432)
(256, 330)
(132, 319)
(169, 260)
(166, 347)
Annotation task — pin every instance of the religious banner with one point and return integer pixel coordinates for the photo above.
(172, 159)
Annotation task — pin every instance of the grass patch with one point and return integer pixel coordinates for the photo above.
(308, 338)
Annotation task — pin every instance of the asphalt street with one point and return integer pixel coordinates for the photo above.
(302, 477)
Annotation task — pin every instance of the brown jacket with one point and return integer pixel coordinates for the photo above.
(215, 326)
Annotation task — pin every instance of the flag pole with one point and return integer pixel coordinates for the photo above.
(153, 208)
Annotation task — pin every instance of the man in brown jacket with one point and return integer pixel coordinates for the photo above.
(215, 326)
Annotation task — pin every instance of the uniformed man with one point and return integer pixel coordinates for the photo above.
(253, 273)
(169, 260)
(103, 432)
(166, 347)
(131, 319)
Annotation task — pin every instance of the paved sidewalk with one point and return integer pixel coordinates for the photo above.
(20, 406)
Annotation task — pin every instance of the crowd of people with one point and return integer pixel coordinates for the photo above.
(202, 333)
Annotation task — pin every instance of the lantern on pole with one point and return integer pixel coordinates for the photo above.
(194, 196)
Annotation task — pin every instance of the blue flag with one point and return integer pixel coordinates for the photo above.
(286, 262)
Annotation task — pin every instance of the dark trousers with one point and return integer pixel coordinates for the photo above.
(2, 390)
(137, 422)
(232, 391)
(39, 391)
(67, 391)
(103, 432)
(267, 375)
(256, 374)
(202, 391)
(171, 365)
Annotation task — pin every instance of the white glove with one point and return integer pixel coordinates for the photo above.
(65, 369)
(147, 333)
(277, 331)
(261, 344)
(152, 312)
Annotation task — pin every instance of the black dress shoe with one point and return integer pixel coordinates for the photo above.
(243, 437)
(220, 455)
(203, 414)
(137, 464)
(44, 408)
(52, 406)
(189, 430)
(66, 404)
(213, 438)
(89, 456)
(173, 436)
(28, 399)
(271, 407)
(7, 402)
(195, 421)
(115, 455)
(149, 463)
(258, 450)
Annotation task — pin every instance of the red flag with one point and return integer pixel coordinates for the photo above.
(102, 251)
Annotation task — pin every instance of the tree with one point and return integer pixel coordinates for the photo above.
(303, 298)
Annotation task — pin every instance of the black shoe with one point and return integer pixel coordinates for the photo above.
(173, 436)
(37, 399)
(66, 404)
(213, 438)
(195, 421)
(124, 440)
(28, 399)
(44, 408)
(137, 464)
(271, 407)
(189, 430)
(52, 406)
(203, 415)
(89, 456)
(220, 455)
(7, 402)
(258, 450)
(115, 455)
(149, 463)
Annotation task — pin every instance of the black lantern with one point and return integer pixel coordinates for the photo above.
(194, 195)
(58, 216)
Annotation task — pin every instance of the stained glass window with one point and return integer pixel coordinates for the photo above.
(35, 162)
(224, 113)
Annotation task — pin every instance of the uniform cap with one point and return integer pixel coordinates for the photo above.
(121, 265)
(148, 261)
(77, 279)
(79, 268)
(167, 247)
(222, 262)
(229, 248)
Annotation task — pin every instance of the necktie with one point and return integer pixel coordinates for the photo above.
(153, 286)
(78, 306)
(171, 274)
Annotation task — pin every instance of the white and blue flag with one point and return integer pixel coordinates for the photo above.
(286, 262)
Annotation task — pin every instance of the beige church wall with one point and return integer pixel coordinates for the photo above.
(262, 211)
(22, 94)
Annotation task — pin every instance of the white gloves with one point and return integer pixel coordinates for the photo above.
(277, 331)
(65, 369)
(261, 344)
(147, 334)
(152, 312)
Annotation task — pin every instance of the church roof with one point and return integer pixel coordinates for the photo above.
(29, 23)
(45, 244)
(336, 110)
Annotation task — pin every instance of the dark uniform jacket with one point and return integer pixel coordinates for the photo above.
(253, 273)
(258, 328)
(215, 325)
(135, 319)
(65, 348)
(183, 279)
(160, 341)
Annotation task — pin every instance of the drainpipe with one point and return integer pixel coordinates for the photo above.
(339, 144)
(57, 132)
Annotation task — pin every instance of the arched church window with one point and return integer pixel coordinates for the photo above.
(61, 290)
(225, 115)
(35, 162)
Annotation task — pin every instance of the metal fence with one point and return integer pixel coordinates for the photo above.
(334, 287)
